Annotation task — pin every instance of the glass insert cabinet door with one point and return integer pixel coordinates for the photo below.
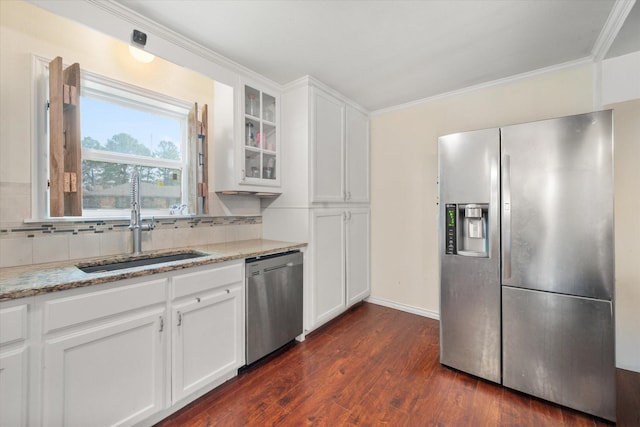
(260, 137)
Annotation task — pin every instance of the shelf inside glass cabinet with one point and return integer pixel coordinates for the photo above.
(260, 137)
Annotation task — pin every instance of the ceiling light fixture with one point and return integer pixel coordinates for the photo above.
(141, 55)
(139, 40)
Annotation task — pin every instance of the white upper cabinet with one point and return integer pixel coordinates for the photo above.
(246, 138)
(340, 151)
(260, 147)
(325, 196)
(357, 156)
(328, 181)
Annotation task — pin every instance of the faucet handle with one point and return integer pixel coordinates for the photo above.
(148, 227)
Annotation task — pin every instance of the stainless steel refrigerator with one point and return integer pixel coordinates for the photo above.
(527, 258)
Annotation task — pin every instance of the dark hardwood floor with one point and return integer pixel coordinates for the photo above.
(379, 366)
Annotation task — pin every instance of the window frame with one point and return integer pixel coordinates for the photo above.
(121, 93)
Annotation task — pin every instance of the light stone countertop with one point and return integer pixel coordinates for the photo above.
(30, 280)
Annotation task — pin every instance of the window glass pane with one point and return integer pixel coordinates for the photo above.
(106, 186)
(112, 127)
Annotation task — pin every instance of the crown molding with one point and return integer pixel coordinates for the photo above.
(511, 79)
(126, 14)
(310, 81)
(611, 28)
(101, 12)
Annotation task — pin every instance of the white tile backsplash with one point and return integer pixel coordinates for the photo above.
(84, 246)
(50, 248)
(24, 244)
(160, 239)
(230, 232)
(115, 243)
(16, 251)
(217, 235)
(250, 231)
(194, 236)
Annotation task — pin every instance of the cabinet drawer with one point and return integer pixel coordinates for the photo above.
(64, 312)
(13, 324)
(198, 281)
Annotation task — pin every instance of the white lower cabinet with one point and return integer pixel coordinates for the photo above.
(340, 245)
(13, 365)
(329, 281)
(208, 329)
(104, 356)
(357, 255)
(127, 353)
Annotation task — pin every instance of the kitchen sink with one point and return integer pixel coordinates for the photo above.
(120, 264)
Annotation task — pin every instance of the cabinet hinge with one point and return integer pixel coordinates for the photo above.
(47, 105)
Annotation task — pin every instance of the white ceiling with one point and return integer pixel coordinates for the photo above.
(386, 53)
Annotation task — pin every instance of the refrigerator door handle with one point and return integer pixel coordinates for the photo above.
(506, 218)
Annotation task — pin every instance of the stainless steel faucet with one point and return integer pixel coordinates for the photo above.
(135, 225)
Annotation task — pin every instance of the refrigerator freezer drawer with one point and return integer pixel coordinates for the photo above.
(560, 348)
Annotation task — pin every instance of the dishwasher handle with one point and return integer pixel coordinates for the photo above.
(278, 267)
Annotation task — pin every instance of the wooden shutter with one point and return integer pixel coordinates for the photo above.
(203, 186)
(65, 161)
(199, 141)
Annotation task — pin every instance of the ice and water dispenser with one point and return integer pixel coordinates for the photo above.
(467, 231)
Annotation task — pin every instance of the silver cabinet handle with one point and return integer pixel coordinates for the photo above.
(161, 324)
(506, 218)
(179, 319)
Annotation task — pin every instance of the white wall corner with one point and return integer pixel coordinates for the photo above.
(597, 86)
(620, 79)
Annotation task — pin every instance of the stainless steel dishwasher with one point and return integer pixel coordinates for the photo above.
(274, 302)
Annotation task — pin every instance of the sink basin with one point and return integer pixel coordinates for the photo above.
(121, 264)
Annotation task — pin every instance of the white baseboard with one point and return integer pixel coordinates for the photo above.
(435, 315)
(403, 307)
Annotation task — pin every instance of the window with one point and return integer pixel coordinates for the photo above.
(135, 135)
(126, 128)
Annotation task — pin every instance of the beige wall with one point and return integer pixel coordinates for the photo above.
(627, 207)
(26, 30)
(404, 188)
